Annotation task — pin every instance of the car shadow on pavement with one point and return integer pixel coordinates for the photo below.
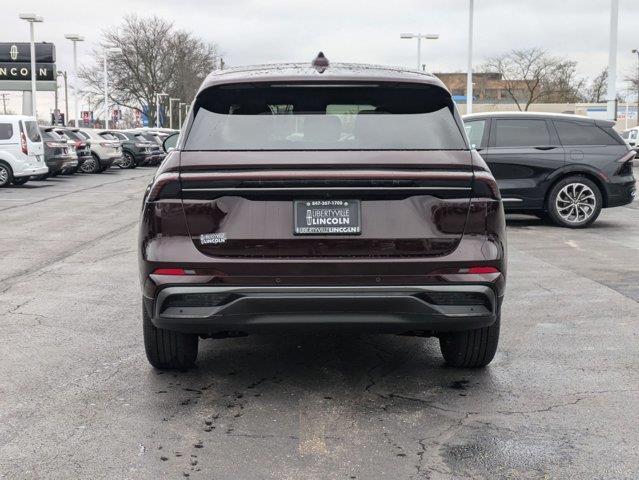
(383, 368)
(305, 393)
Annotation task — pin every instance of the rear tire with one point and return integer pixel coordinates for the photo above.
(91, 165)
(470, 348)
(127, 161)
(20, 180)
(6, 175)
(574, 202)
(166, 349)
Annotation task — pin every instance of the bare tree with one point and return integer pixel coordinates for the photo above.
(531, 75)
(598, 87)
(563, 84)
(155, 58)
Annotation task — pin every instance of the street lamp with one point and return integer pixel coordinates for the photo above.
(75, 38)
(66, 95)
(419, 36)
(32, 18)
(171, 100)
(157, 108)
(469, 74)
(612, 61)
(180, 113)
(106, 84)
(634, 50)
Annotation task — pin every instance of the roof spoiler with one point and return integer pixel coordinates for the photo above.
(605, 123)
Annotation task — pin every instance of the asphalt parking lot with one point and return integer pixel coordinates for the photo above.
(79, 400)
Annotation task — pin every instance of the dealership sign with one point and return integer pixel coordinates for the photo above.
(20, 52)
(22, 71)
(15, 66)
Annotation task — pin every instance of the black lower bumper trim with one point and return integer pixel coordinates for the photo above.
(383, 308)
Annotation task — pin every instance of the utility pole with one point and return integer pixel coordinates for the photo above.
(469, 75)
(637, 52)
(75, 38)
(171, 100)
(612, 61)
(5, 96)
(66, 95)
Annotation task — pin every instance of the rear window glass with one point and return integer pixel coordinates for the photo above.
(6, 131)
(521, 133)
(107, 136)
(308, 116)
(575, 133)
(475, 132)
(51, 135)
(74, 135)
(63, 135)
(32, 131)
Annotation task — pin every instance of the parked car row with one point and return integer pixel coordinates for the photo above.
(28, 151)
(565, 168)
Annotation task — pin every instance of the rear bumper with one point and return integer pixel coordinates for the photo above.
(208, 310)
(31, 171)
(621, 193)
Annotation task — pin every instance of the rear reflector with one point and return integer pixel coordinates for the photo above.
(478, 270)
(172, 271)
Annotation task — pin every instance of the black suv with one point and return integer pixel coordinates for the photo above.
(136, 150)
(564, 167)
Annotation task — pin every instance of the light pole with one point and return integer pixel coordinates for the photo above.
(171, 100)
(66, 96)
(612, 61)
(469, 75)
(419, 36)
(106, 84)
(157, 108)
(75, 38)
(634, 50)
(32, 18)
(180, 111)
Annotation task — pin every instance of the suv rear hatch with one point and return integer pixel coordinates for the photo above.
(325, 170)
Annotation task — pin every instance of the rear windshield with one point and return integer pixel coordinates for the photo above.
(74, 135)
(324, 117)
(51, 135)
(107, 136)
(32, 130)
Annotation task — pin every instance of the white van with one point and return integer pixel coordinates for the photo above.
(21, 150)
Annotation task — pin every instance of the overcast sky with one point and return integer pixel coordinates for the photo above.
(250, 31)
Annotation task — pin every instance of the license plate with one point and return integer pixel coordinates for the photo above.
(327, 217)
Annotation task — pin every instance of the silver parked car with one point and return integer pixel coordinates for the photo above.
(104, 151)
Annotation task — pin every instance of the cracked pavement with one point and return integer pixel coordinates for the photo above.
(78, 399)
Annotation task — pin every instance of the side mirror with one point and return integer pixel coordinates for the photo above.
(170, 142)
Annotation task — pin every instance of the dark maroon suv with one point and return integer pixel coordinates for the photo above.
(304, 196)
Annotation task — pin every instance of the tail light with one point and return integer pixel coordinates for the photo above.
(166, 185)
(479, 270)
(626, 163)
(23, 143)
(172, 271)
